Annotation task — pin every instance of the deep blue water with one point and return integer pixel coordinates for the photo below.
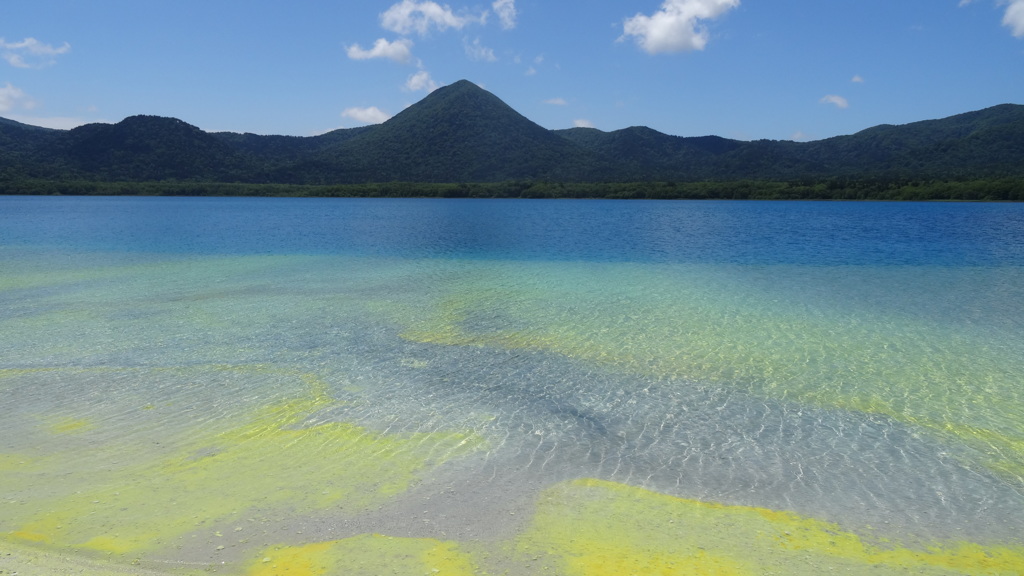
(804, 233)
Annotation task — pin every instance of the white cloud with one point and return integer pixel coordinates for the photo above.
(676, 26)
(399, 50)
(56, 122)
(532, 70)
(370, 115)
(582, 123)
(421, 81)
(857, 79)
(556, 102)
(838, 101)
(12, 98)
(506, 11)
(31, 53)
(477, 51)
(1014, 17)
(799, 136)
(409, 16)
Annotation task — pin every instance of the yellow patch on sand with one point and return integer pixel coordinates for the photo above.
(71, 425)
(366, 555)
(271, 459)
(12, 462)
(597, 528)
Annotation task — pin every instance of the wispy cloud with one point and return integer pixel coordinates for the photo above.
(12, 98)
(55, 122)
(421, 81)
(677, 26)
(399, 50)
(409, 16)
(507, 13)
(857, 79)
(531, 70)
(1014, 17)
(556, 102)
(477, 51)
(31, 53)
(582, 123)
(837, 101)
(370, 115)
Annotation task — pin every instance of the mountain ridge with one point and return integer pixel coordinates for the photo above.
(463, 133)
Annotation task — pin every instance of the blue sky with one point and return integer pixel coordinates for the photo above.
(746, 69)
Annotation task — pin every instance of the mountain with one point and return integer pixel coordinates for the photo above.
(20, 148)
(459, 133)
(987, 142)
(277, 154)
(646, 154)
(462, 133)
(141, 148)
(983, 144)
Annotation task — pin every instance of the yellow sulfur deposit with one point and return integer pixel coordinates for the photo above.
(366, 555)
(270, 460)
(597, 528)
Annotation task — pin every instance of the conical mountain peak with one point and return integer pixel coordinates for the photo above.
(461, 132)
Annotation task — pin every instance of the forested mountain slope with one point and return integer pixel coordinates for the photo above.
(462, 133)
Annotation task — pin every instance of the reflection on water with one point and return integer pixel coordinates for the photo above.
(347, 386)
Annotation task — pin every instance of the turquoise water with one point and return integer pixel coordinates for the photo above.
(861, 364)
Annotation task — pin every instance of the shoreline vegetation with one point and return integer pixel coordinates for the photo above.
(988, 190)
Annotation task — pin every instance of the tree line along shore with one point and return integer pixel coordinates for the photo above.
(990, 190)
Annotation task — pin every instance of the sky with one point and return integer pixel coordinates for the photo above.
(744, 69)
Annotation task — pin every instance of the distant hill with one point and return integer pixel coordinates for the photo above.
(985, 143)
(143, 148)
(459, 133)
(462, 133)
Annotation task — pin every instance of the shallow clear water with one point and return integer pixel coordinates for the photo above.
(178, 372)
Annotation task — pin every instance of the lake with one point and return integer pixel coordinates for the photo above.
(269, 386)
